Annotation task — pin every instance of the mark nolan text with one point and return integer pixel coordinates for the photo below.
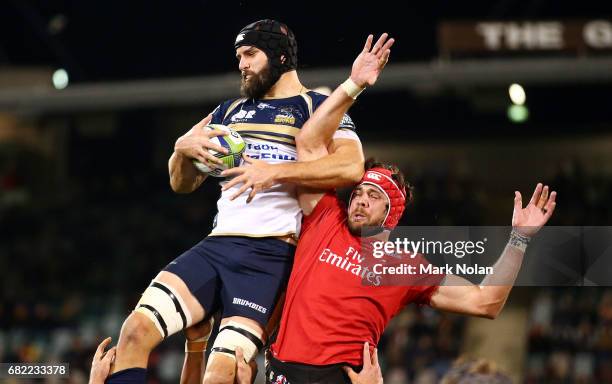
(430, 269)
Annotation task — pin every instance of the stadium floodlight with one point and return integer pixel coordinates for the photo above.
(518, 113)
(60, 79)
(517, 94)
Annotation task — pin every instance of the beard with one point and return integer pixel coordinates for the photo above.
(364, 229)
(258, 84)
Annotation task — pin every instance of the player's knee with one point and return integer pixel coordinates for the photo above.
(234, 334)
(222, 363)
(165, 309)
(220, 368)
(219, 375)
(138, 332)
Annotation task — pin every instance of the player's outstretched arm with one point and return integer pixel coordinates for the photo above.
(184, 176)
(323, 163)
(487, 300)
(316, 135)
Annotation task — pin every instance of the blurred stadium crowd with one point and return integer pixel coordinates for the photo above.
(570, 336)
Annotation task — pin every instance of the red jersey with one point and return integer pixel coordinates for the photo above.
(329, 313)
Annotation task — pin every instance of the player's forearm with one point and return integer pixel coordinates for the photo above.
(184, 177)
(318, 131)
(506, 268)
(192, 368)
(339, 169)
(459, 295)
(495, 287)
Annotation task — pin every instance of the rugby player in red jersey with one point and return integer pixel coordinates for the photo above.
(329, 313)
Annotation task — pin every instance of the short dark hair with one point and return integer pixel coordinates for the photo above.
(396, 174)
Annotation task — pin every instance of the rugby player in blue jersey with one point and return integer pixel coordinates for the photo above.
(242, 267)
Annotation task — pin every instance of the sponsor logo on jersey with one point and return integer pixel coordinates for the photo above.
(242, 116)
(274, 156)
(268, 152)
(350, 262)
(263, 106)
(262, 147)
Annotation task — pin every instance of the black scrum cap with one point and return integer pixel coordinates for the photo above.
(275, 39)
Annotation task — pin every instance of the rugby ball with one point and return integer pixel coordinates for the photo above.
(235, 146)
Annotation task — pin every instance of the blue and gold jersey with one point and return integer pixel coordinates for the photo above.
(269, 127)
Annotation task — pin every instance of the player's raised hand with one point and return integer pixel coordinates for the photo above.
(370, 373)
(371, 61)
(101, 363)
(257, 175)
(196, 142)
(530, 219)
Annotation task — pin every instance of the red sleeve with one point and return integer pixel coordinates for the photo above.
(329, 204)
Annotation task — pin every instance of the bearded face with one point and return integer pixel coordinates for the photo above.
(367, 211)
(254, 85)
(256, 72)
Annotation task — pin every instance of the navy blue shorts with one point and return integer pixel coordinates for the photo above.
(242, 276)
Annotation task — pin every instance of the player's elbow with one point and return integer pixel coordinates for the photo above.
(489, 310)
(180, 187)
(347, 174)
(308, 143)
(354, 172)
(489, 315)
(350, 160)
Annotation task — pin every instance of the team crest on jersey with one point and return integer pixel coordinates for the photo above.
(281, 379)
(286, 116)
(284, 119)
